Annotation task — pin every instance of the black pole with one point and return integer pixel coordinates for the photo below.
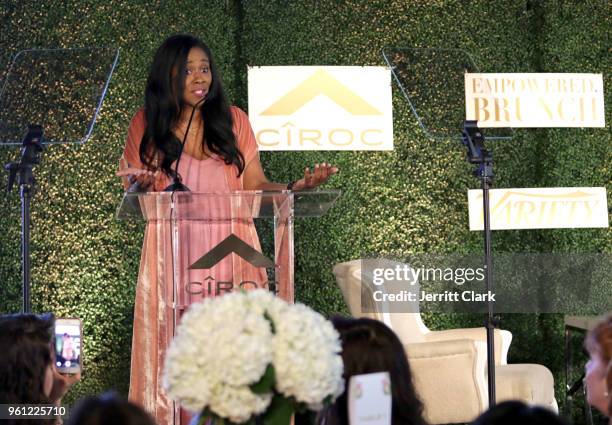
(490, 322)
(22, 172)
(473, 139)
(26, 195)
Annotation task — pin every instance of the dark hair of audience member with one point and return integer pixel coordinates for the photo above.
(108, 409)
(369, 346)
(25, 357)
(517, 412)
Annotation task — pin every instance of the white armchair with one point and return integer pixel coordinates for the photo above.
(449, 367)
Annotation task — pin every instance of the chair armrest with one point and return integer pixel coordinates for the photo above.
(348, 279)
(449, 379)
(502, 339)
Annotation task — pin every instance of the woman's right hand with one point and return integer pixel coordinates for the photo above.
(61, 384)
(143, 178)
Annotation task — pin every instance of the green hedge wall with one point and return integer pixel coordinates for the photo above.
(85, 262)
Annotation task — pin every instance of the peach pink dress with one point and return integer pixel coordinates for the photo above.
(153, 313)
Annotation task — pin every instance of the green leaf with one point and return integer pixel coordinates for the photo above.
(328, 400)
(205, 415)
(299, 407)
(203, 419)
(266, 383)
(279, 412)
(269, 319)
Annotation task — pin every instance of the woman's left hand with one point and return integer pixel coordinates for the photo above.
(319, 176)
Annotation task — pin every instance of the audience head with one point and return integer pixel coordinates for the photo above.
(26, 360)
(517, 412)
(598, 377)
(108, 409)
(369, 346)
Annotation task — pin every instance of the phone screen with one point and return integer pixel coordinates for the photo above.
(68, 345)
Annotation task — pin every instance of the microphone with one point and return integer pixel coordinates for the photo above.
(177, 185)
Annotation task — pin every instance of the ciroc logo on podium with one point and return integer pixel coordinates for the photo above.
(230, 245)
(321, 107)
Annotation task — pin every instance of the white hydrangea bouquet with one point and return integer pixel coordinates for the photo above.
(250, 356)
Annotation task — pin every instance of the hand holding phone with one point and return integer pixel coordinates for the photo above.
(61, 385)
(68, 345)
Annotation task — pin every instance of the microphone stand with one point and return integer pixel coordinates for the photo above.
(177, 184)
(473, 139)
(22, 170)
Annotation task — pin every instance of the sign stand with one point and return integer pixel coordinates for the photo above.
(440, 111)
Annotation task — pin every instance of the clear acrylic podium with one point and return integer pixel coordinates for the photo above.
(209, 243)
(200, 245)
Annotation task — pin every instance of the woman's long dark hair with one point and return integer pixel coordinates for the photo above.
(164, 105)
(369, 346)
(26, 341)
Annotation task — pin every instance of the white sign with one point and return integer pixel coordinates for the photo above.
(313, 108)
(541, 208)
(535, 100)
(369, 399)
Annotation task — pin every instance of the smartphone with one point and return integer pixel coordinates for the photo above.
(68, 337)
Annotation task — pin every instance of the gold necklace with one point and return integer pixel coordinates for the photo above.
(190, 140)
(192, 129)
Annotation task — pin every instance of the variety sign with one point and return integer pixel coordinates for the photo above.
(535, 100)
(541, 208)
(321, 107)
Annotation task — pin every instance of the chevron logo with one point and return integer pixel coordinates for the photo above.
(321, 83)
(232, 244)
